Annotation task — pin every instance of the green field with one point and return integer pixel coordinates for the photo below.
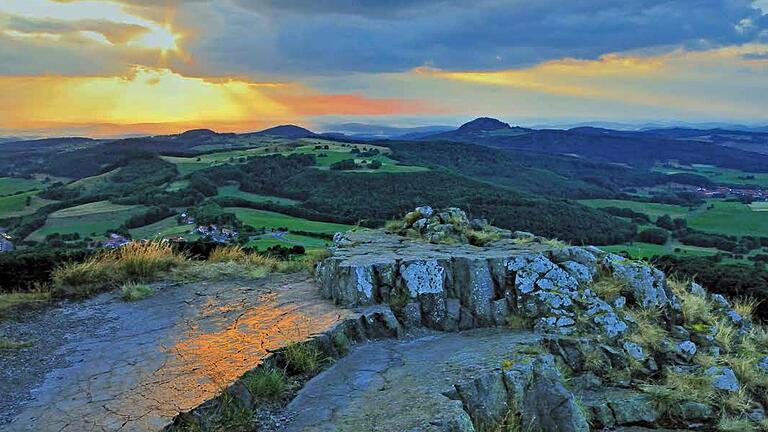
(760, 206)
(653, 210)
(268, 219)
(165, 228)
(717, 174)
(233, 191)
(177, 185)
(336, 153)
(88, 220)
(639, 250)
(13, 185)
(16, 205)
(290, 240)
(94, 183)
(730, 218)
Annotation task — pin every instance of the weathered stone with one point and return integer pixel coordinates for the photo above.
(634, 350)
(425, 211)
(500, 311)
(412, 314)
(646, 285)
(697, 289)
(692, 411)
(687, 350)
(723, 378)
(720, 301)
(630, 408)
(485, 398)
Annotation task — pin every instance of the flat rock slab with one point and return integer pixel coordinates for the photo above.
(109, 365)
(396, 385)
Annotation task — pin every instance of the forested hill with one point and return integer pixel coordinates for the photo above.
(639, 149)
(533, 172)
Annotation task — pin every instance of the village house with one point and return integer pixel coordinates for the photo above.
(6, 245)
(115, 241)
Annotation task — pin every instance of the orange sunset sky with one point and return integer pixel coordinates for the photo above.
(116, 67)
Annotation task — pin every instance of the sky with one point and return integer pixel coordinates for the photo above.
(119, 67)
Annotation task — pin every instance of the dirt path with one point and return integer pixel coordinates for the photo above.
(108, 365)
(396, 385)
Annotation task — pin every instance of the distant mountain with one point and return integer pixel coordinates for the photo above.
(370, 131)
(637, 148)
(285, 131)
(198, 133)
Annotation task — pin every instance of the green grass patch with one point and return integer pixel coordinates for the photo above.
(717, 174)
(10, 344)
(14, 185)
(268, 219)
(233, 191)
(16, 205)
(266, 383)
(731, 218)
(653, 210)
(303, 358)
(89, 220)
(167, 227)
(11, 302)
(135, 291)
(93, 184)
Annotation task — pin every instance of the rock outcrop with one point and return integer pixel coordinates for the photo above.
(640, 350)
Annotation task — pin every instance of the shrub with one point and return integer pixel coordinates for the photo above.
(10, 302)
(135, 291)
(266, 383)
(607, 287)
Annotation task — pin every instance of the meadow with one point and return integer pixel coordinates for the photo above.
(717, 174)
(653, 210)
(88, 220)
(268, 219)
(731, 218)
(165, 228)
(13, 185)
(233, 191)
(16, 205)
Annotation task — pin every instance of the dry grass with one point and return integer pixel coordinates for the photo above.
(678, 387)
(607, 287)
(696, 309)
(726, 335)
(232, 253)
(134, 262)
(393, 226)
(10, 344)
(646, 331)
(481, 238)
(746, 306)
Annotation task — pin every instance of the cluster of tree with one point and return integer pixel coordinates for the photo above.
(212, 213)
(154, 214)
(345, 164)
(285, 252)
(653, 235)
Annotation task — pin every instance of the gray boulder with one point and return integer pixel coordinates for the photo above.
(723, 379)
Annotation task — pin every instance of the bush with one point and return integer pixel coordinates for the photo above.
(653, 235)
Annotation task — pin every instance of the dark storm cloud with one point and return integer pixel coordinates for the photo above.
(333, 36)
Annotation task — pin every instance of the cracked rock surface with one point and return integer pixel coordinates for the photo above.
(399, 385)
(107, 365)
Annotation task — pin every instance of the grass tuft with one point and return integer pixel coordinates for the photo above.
(10, 344)
(266, 383)
(12, 302)
(135, 291)
(735, 424)
(646, 331)
(303, 358)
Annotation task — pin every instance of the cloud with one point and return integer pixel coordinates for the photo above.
(172, 102)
